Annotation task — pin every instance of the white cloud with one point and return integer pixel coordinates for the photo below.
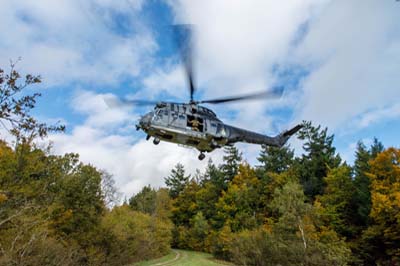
(169, 79)
(355, 50)
(67, 41)
(374, 116)
(133, 165)
(98, 113)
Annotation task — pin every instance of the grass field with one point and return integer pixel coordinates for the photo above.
(184, 258)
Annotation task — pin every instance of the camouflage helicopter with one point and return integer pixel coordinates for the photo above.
(193, 125)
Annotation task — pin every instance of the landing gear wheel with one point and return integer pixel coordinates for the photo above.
(156, 141)
(147, 137)
(202, 156)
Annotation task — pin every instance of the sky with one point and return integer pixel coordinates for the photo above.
(338, 60)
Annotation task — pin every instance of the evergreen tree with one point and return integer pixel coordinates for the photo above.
(177, 180)
(336, 202)
(144, 201)
(238, 205)
(274, 159)
(320, 155)
(214, 175)
(232, 160)
(362, 195)
(376, 148)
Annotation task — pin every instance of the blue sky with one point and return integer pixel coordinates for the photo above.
(338, 60)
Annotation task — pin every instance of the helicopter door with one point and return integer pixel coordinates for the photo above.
(195, 123)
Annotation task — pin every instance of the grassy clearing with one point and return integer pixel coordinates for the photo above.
(184, 258)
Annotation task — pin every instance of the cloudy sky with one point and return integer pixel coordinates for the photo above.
(338, 60)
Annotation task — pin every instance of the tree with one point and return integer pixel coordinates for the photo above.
(144, 201)
(238, 205)
(320, 155)
(177, 180)
(210, 190)
(136, 236)
(274, 159)
(362, 194)
(383, 234)
(15, 107)
(232, 160)
(336, 202)
(81, 200)
(302, 241)
(111, 194)
(183, 210)
(198, 232)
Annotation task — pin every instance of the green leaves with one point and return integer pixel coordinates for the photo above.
(177, 181)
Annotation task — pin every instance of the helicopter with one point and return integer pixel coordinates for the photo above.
(193, 125)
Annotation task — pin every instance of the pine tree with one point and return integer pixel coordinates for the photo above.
(144, 201)
(376, 148)
(362, 195)
(177, 180)
(232, 160)
(320, 155)
(275, 159)
(336, 202)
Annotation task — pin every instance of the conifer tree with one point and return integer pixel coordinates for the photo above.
(376, 148)
(362, 195)
(274, 159)
(144, 201)
(320, 155)
(232, 160)
(177, 180)
(336, 202)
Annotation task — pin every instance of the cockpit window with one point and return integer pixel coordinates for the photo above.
(221, 130)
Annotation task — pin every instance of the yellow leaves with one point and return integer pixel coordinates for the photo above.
(385, 197)
(385, 186)
(3, 197)
(246, 177)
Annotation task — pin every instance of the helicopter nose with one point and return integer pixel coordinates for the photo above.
(145, 120)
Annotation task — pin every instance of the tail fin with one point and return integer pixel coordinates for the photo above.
(285, 135)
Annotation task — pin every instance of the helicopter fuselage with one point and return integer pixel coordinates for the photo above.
(197, 126)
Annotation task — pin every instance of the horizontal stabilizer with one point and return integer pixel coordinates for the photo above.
(292, 131)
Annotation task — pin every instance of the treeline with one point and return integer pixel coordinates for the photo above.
(55, 210)
(314, 209)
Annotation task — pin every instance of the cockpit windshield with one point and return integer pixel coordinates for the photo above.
(221, 130)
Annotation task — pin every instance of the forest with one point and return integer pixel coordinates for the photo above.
(310, 209)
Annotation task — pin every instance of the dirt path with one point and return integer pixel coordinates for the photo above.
(188, 258)
(177, 256)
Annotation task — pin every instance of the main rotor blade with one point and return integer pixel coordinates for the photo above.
(275, 93)
(114, 102)
(183, 40)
